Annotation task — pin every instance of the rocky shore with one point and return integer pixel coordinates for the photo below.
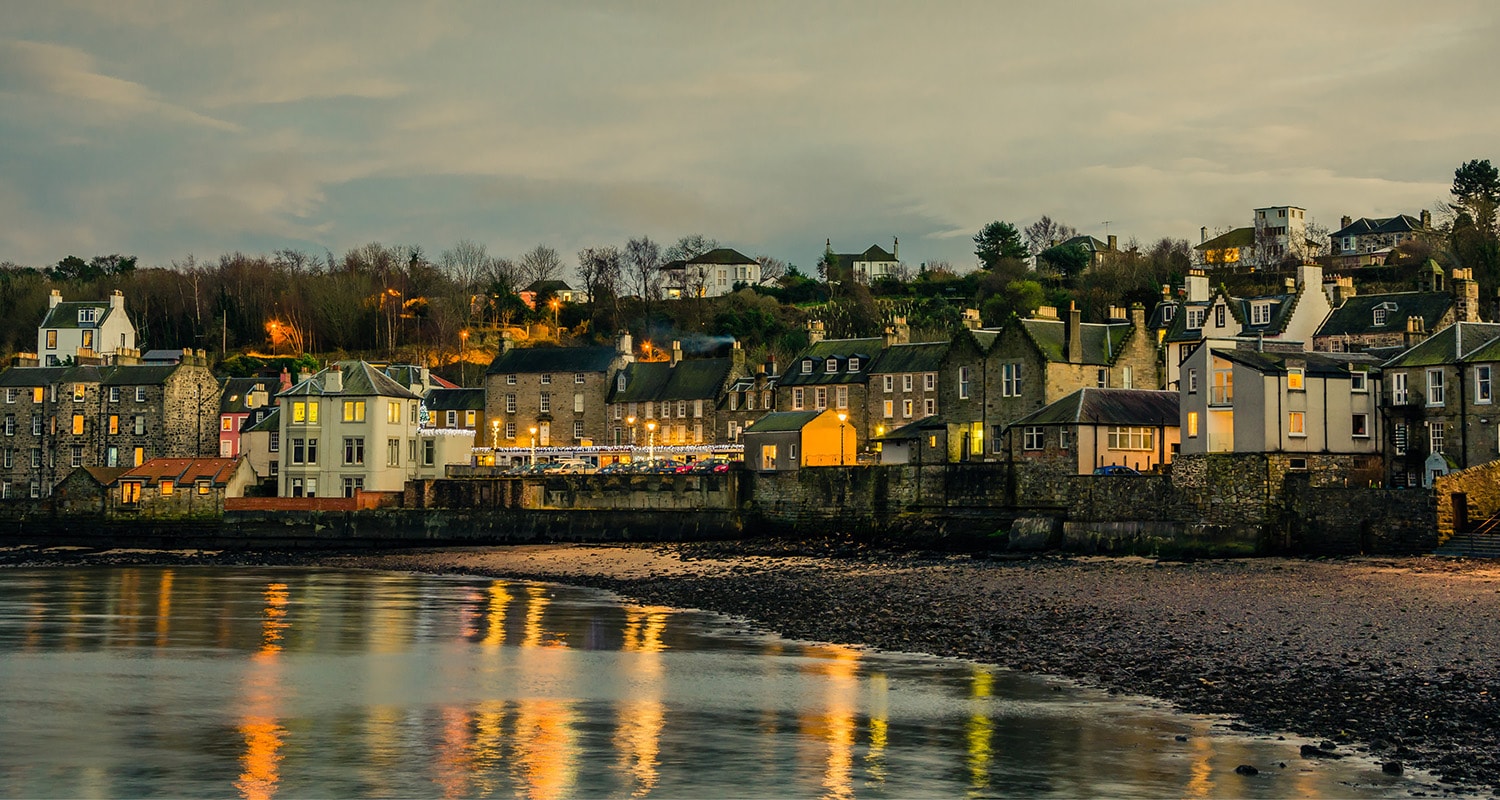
(1394, 656)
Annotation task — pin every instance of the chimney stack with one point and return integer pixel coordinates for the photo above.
(1073, 335)
(1426, 219)
(1465, 296)
(1345, 221)
(1113, 240)
(676, 352)
(623, 346)
(896, 246)
(814, 332)
(54, 298)
(1203, 234)
(333, 380)
(737, 359)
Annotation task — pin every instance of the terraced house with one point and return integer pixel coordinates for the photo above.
(57, 419)
(1439, 402)
(903, 385)
(552, 396)
(1397, 319)
(680, 401)
(835, 374)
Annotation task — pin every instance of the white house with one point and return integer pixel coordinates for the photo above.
(87, 329)
(348, 427)
(711, 274)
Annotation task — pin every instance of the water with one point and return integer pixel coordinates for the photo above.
(261, 683)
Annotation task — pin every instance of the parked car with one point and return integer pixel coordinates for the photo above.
(571, 466)
(658, 467)
(1115, 469)
(710, 466)
(617, 468)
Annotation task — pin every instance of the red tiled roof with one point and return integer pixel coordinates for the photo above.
(183, 470)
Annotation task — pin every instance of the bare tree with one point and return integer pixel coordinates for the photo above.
(642, 259)
(1045, 233)
(690, 246)
(599, 270)
(540, 264)
(771, 268)
(466, 263)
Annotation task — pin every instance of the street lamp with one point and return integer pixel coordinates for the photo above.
(842, 416)
(533, 445)
(463, 357)
(651, 441)
(555, 306)
(630, 423)
(494, 434)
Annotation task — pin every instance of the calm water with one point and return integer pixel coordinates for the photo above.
(217, 682)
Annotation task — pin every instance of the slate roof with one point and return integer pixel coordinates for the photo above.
(455, 400)
(916, 357)
(874, 253)
(1401, 223)
(545, 358)
(690, 379)
(270, 424)
(105, 476)
(1356, 316)
(162, 356)
(1088, 243)
(913, 430)
(721, 255)
(1101, 342)
(1282, 306)
(360, 379)
(138, 374)
(1450, 345)
(236, 396)
(65, 315)
(409, 374)
(1239, 237)
(112, 375)
(541, 287)
(782, 421)
(183, 470)
(1090, 406)
(1313, 364)
(838, 349)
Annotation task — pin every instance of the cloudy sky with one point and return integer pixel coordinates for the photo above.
(162, 128)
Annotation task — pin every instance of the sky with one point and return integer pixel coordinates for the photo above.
(165, 129)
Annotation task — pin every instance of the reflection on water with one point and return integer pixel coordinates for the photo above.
(287, 683)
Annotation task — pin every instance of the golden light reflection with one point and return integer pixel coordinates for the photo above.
(164, 608)
(836, 725)
(454, 764)
(545, 761)
(979, 732)
(499, 600)
(1201, 768)
(486, 750)
(642, 714)
(536, 607)
(875, 755)
(261, 762)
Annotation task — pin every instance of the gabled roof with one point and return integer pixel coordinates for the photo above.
(65, 315)
(874, 253)
(547, 358)
(236, 396)
(690, 379)
(455, 400)
(555, 287)
(1357, 315)
(1312, 364)
(138, 375)
(359, 378)
(915, 357)
(1282, 306)
(838, 349)
(1101, 342)
(183, 470)
(913, 430)
(1088, 243)
(1450, 345)
(1401, 223)
(1239, 237)
(271, 424)
(105, 476)
(722, 255)
(113, 375)
(782, 421)
(1090, 406)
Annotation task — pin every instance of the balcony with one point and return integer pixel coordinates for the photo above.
(1221, 395)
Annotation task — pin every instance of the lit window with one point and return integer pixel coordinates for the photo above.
(354, 411)
(1296, 424)
(1294, 379)
(1192, 425)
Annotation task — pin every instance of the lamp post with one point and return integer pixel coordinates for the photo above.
(651, 441)
(842, 416)
(463, 357)
(555, 306)
(533, 445)
(630, 423)
(494, 434)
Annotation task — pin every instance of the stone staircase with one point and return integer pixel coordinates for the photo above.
(1481, 542)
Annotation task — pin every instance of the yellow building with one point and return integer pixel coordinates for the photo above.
(788, 440)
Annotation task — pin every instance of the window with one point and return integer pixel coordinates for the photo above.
(1195, 318)
(416, 411)
(1398, 438)
(577, 429)
(1168, 313)
(1192, 424)
(393, 452)
(10, 424)
(138, 425)
(820, 398)
(1294, 379)
(544, 403)
(1064, 438)
(578, 377)
(890, 409)
(452, 417)
(792, 451)
(681, 409)
(929, 381)
(1434, 387)
(36, 394)
(510, 430)
(140, 397)
(1296, 424)
(86, 315)
(1435, 437)
(1360, 426)
(299, 450)
(666, 410)
(906, 383)
(36, 425)
(906, 406)
(429, 452)
(841, 397)
(1482, 384)
(88, 340)
(929, 407)
(354, 450)
(1260, 314)
(890, 383)
(1219, 315)
(1032, 437)
(77, 456)
(1192, 381)
(77, 424)
(620, 382)
(10, 395)
(1010, 380)
(140, 456)
(36, 457)
(393, 412)
(352, 485)
(546, 379)
(354, 411)
(854, 363)
(275, 443)
(111, 457)
(1129, 437)
(510, 404)
(510, 380)
(1127, 377)
(78, 390)
(1101, 378)
(768, 456)
(1379, 316)
(1398, 389)
(806, 367)
(1359, 381)
(469, 417)
(167, 488)
(51, 342)
(697, 409)
(831, 365)
(797, 397)
(114, 424)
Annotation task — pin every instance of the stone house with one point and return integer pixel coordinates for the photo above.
(1396, 319)
(871, 265)
(1297, 403)
(710, 274)
(57, 419)
(1034, 362)
(82, 331)
(1367, 241)
(684, 398)
(789, 440)
(747, 399)
(1095, 249)
(835, 374)
(559, 391)
(1439, 400)
(903, 386)
(1092, 428)
(348, 428)
(179, 488)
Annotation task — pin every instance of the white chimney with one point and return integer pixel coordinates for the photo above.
(54, 298)
(333, 380)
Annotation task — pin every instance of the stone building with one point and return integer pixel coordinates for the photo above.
(1439, 400)
(56, 419)
(559, 391)
(1093, 428)
(872, 265)
(179, 488)
(1396, 319)
(460, 409)
(747, 399)
(903, 386)
(835, 374)
(84, 331)
(1368, 241)
(683, 398)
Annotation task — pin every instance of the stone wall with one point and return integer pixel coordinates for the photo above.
(1480, 490)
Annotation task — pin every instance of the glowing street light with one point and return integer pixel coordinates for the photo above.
(494, 434)
(555, 306)
(630, 423)
(651, 441)
(533, 445)
(463, 356)
(842, 417)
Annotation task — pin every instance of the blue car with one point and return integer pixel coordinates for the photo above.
(1115, 469)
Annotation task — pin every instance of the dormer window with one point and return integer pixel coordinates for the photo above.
(831, 365)
(854, 363)
(1260, 314)
(620, 382)
(1382, 312)
(806, 366)
(86, 316)
(1195, 318)
(1379, 316)
(1168, 313)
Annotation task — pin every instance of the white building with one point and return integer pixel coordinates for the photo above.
(348, 427)
(83, 329)
(711, 274)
